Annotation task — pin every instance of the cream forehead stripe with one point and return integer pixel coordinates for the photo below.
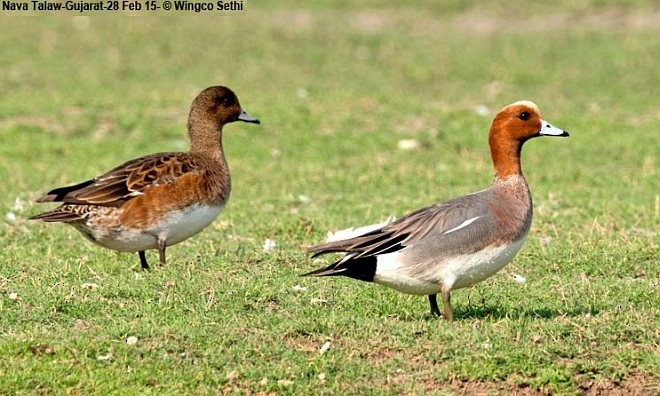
(527, 103)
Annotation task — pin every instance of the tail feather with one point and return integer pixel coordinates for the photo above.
(58, 194)
(326, 271)
(341, 246)
(359, 261)
(366, 244)
(360, 268)
(332, 247)
(54, 216)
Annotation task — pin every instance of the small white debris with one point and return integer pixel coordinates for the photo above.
(299, 289)
(105, 357)
(138, 275)
(10, 216)
(324, 348)
(131, 340)
(13, 296)
(264, 381)
(321, 377)
(284, 382)
(18, 205)
(89, 286)
(302, 93)
(409, 144)
(302, 198)
(348, 233)
(519, 278)
(481, 110)
(318, 301)
(269, 245)
(487, 344)
(545, 240)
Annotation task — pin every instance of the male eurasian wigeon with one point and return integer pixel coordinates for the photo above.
(455, 243)
(161, 199)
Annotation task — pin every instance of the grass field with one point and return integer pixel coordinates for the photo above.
(336, 89)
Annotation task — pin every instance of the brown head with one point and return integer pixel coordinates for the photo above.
(513, 126)
(210, 111)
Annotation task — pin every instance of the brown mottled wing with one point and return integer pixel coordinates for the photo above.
(408, 230)
(128, 180)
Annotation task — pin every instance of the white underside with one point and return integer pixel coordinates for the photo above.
(176, 227)
(454, 273)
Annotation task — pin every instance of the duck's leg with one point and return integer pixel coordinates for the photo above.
(446, 304)
(161, 250)
(435, 311)
(143, 260)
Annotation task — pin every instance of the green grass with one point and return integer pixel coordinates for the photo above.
(336, 88)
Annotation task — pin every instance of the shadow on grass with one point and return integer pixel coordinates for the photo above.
(482, 312)
(493, 312)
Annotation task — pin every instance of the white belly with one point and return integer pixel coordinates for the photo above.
(174, 228)
(181, 225)
(454, 273)
(390, 274)
(470, 269)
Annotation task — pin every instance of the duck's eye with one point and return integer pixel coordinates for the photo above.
(524, 116)
(224, 100)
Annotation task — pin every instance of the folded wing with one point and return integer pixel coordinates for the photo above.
(128, 180)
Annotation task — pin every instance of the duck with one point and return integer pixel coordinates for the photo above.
(456, 243)
(157, 200)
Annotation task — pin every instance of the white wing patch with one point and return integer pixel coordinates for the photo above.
(462, 225)
(349, 233)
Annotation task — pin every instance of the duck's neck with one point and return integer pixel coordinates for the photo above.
(506, 157)
(205, 138)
